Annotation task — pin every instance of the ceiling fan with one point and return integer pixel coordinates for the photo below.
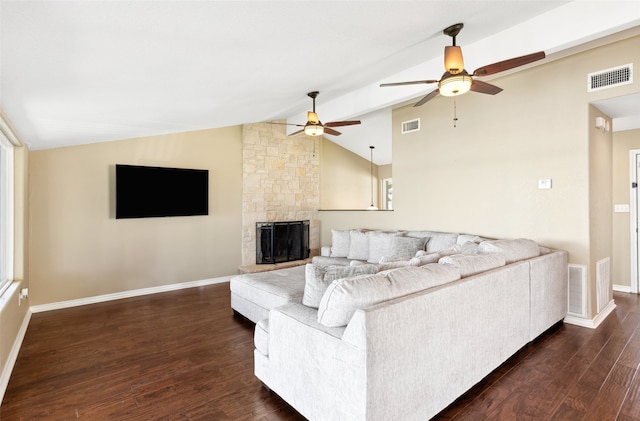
(314, 126)
(457, 81)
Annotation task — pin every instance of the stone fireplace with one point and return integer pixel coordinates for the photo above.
(281, 182)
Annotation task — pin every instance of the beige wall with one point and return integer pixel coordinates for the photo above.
(77, 249)
(345, 179)
(600, 195)
(623, 142)
(482, 176)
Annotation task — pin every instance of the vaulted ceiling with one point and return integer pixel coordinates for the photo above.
(77, 72)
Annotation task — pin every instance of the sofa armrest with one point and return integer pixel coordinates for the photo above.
(311, 368)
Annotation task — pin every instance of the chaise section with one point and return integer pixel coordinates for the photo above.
(254, 294)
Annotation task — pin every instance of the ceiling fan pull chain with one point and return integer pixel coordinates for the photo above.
(455, 114)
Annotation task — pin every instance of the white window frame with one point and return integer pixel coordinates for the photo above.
(6, 213)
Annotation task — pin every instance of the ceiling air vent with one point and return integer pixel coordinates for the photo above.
(608, 78)
(410, 126)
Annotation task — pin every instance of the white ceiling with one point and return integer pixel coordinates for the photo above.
(76, 72)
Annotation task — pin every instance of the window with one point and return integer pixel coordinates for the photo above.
(387, 193)
(6, 213)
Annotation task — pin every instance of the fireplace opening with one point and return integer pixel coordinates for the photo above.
(278, 242)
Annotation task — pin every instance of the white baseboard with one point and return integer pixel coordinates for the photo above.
(13, 355)
(595, 322)
(622, 288)
(126, 294)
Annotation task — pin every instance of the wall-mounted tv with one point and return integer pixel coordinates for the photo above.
(149, 192)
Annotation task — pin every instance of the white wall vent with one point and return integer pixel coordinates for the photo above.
(608, 78)
(603, 283)
(411, 126)
(577, 295)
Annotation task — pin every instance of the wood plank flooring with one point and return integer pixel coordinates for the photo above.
(181, 355)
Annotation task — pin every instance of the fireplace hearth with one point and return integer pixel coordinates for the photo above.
(278, 242)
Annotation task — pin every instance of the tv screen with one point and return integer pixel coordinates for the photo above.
(149, 192)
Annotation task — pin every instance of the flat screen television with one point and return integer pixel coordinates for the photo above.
(150, 192)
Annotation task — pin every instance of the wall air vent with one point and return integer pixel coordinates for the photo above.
(577, 305)
(411, 126)
(608, 78)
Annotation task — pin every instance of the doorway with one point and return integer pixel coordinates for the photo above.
(634, 217)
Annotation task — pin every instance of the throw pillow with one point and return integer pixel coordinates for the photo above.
(345, 296)
(403, 248)
(471, 264)
(318, 278)
(339, 243)
(441, 241)
(513, 250)
(380, 245)
(425, 258)
(359, 245)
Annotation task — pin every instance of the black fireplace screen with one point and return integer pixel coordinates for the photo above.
(278, 242)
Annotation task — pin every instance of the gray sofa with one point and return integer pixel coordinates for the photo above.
(404, 342)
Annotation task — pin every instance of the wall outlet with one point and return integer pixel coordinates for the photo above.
(24, 294)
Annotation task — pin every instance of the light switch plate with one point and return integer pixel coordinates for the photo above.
(621, 208)
(544, 183)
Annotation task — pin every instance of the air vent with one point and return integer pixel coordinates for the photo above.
(410, 126)
(577, 305)
(616, 76)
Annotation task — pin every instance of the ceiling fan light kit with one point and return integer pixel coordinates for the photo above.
(452, 85)
(311, 129)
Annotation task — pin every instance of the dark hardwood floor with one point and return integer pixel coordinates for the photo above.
(181, 355)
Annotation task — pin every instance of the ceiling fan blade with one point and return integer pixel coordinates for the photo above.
(415, 82)
(328, 130)
(484, 87)
(501, 66)
(427, 97)
(341, 123)
(298, 132)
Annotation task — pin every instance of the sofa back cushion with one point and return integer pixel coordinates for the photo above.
(318, 278)
(380, 245)
(358, 245)
(340, 243)
(513, 250)
(344, 296)
(470, 264)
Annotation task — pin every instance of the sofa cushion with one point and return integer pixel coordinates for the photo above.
(404, 248)
(359, 245)
(318, 278)
(475, 263)
(340, 243)
(380, 244)
(513, 250)
(344, 296)
(271, 288)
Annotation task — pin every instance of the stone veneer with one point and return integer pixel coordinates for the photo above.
(280, 182)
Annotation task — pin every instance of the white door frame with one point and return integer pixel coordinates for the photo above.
(634, 159)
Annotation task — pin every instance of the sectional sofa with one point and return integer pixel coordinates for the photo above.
(409, 329)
